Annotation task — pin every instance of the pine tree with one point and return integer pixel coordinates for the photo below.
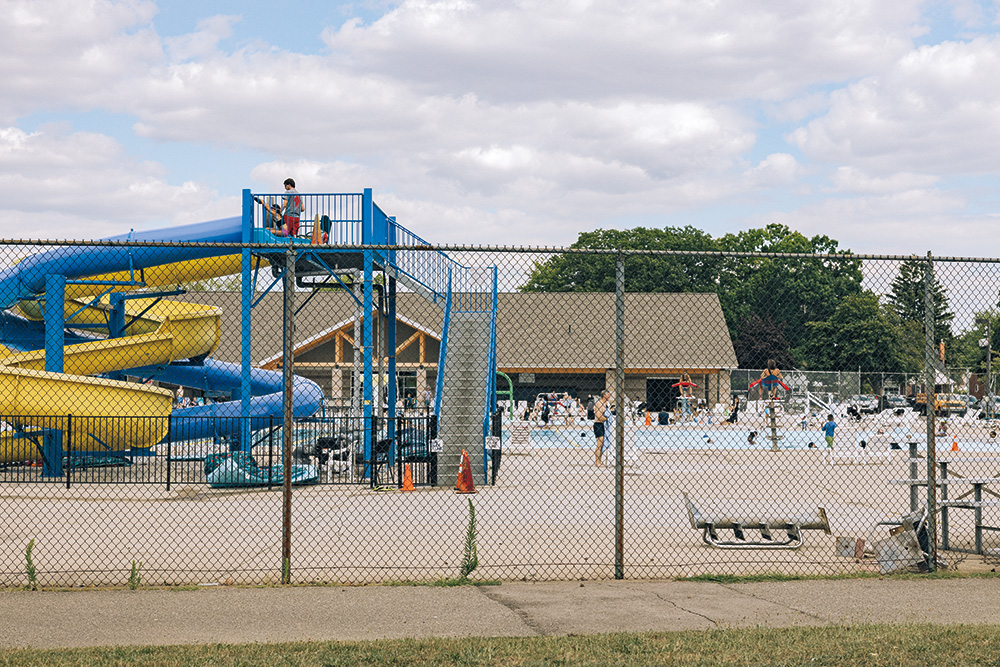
(907, 298)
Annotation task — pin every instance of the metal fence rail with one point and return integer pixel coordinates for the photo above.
(158, 420)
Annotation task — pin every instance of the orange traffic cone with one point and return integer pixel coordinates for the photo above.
(954, 444)
(407, 478)
(464, 482)
(648, 420)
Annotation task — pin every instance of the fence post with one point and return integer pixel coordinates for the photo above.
(287, 361)
(69, 450)
(930, 377)
(170, 438)
(620, 421)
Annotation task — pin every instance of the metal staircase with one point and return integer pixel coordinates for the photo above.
(464, 388)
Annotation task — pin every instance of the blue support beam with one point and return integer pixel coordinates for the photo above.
(55, 323)
(116, 324)
(368, 402)
(367, 217)
(243, 442)
(390, 335)
(390, 331)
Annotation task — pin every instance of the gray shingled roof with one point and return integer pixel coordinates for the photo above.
(569, 330)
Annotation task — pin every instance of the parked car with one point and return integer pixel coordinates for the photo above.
(865, 403)
(895, 401)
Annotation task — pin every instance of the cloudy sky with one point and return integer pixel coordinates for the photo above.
(516, 122)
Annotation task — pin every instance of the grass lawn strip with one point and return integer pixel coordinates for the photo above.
(869, 645)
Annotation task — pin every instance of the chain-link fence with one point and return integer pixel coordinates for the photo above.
(263, 411)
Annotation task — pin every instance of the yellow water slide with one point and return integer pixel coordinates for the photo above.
(119, 415)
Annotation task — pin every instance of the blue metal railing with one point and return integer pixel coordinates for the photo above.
(443, 350)
(354, 219)
(339, 217)
(436, 271)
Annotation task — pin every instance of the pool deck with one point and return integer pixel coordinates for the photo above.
(550, 516)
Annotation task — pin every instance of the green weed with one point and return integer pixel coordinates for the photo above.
(470, 558)
(30, 567)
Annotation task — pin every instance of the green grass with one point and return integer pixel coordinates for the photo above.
(869, 645)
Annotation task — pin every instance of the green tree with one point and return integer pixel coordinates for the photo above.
(582, 272)
(970, 347)
(759, 339)
(861, 334)
(791, 291)
(906, 297)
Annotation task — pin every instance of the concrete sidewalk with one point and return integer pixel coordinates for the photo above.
(240, 615)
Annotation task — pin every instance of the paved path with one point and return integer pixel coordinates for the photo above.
(239, 615)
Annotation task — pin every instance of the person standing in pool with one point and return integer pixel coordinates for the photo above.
(828, 428)
(601, 412)
(734, 410)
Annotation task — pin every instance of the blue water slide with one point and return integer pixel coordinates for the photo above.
(222, 419)
(27, 278)
(23, 335)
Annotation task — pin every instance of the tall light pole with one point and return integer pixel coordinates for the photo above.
(987, 321)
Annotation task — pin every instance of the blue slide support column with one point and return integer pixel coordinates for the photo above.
(366, 346)
(116, 325)
(55, 323)
(367, 217)
(367, 238)
(246, 302)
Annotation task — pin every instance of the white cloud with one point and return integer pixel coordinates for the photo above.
(852, 180)
(513, 51)
(519, 122)
(203, 42)
(67, 53)
(901, 223)
(937, 111)
(54, 175)
(775, 169)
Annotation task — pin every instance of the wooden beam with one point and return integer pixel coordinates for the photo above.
(406, 343)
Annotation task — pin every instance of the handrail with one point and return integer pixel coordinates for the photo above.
(491, 369)
(443, 350)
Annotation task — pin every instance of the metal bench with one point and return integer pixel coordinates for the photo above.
(741, 517)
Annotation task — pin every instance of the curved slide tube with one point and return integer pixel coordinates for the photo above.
(221, 419)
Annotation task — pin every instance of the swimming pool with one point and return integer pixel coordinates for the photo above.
(672, 438)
